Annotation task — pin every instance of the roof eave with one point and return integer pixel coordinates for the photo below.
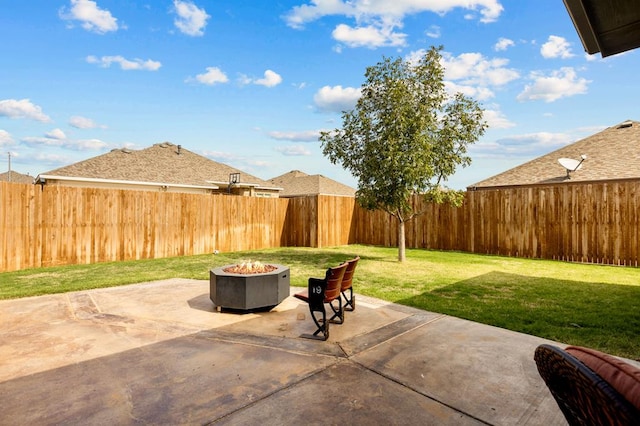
(583, 25)
(43, 179)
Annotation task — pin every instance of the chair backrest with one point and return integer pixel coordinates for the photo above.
(334, 280)
(347, 279)
(582, 395)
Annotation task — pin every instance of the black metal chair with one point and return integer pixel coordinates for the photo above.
(584, 397)
(321, 292)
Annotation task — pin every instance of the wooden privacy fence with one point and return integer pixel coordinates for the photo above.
(54, 225)
(581, 222)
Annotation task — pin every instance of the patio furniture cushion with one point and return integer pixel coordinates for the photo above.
(623, 377)
(583, 397)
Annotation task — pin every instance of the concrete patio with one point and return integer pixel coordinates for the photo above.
(158, 353)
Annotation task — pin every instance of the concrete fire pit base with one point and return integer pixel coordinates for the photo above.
(248, 291)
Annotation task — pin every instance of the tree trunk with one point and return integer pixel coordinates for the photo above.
(401, 249)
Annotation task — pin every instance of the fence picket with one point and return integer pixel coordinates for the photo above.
(596, 222)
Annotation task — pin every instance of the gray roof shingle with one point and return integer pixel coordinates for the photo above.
(613, 153)
(296, 183)
(15, 177)
(160, 163)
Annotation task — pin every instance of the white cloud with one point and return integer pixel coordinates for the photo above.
(293, 150)
(525, 146)
(497, 120)
(591, 58)
(55, 159)
(92, 18)
(80, 122)
(125, 64)
(540, 141)
(434, 31)
(270, 79)
(213, 76)
(5, 138)
(56, 134)
(556, 47)
(37, 140)
(220, 156)
(88, 144)
(477, 92)
(55, 140)
(336, 98)
(23, 108)
(191, 19)
(473, 74)
(377, 20)
(370, 36)
(503, 44)
(369, 10)
(475, 68)
(560, 84)
(306, 136)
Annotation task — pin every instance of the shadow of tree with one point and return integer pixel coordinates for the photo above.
(567, 311)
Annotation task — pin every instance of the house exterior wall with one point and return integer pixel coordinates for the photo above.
(159, 187)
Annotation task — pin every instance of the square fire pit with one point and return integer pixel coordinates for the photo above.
(248, 291)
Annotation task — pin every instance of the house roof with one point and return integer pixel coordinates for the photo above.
(162, 163)
(296, 183)
(614, 153)
(15, 177)
(608, 27)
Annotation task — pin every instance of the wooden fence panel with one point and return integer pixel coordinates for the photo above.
(581, 222)
(301, 225)
(335, 218)
(54, 225)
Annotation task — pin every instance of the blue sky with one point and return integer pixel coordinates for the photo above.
(251, 84)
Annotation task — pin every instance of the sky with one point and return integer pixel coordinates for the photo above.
(252, 83)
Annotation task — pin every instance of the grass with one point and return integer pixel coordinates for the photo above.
(589, 305)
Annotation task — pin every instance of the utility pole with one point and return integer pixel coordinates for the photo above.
(9, 174)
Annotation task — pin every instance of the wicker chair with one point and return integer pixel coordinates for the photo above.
(584, 397)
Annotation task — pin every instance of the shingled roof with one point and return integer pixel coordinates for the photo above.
(297, 184)
(614, 153)
(15, 177)
(163, 163)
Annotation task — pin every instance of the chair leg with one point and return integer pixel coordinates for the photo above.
(320, 320)
(350, 300)
(337, 312)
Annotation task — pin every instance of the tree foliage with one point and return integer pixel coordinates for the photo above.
(405, 136)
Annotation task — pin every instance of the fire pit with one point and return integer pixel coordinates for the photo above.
(248, 286)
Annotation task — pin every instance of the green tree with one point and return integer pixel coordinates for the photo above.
(405, 136)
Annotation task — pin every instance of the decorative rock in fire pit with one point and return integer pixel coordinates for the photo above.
(248, 286)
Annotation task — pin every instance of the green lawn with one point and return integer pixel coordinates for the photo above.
(589, 305)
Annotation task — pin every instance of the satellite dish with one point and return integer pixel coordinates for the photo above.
(572, 165)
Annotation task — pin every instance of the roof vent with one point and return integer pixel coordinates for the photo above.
(625, 124)
(125, 150)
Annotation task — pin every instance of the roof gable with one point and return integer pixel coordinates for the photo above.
(160, 163)
(15, 177)
(297, 183)
(614, 153)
